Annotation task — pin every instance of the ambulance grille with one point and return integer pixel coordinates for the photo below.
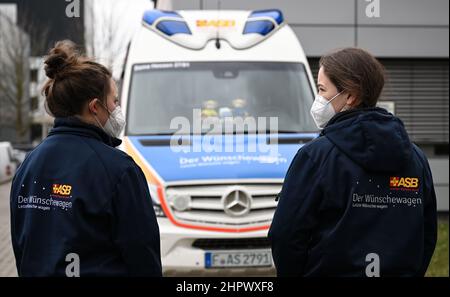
(208, 208)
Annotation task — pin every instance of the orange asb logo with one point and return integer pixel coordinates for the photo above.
(408, 183)
(61, 190)
(216, 23)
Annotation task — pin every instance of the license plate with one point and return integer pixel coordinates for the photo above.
(253, 258)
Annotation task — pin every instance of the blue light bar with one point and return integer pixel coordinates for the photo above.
(259, 27)
(150, 16)
(173, 27)
(275, 14)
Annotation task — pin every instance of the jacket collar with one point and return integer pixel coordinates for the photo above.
(344, 115)
(75, 126)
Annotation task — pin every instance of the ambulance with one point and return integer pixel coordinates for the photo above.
(183, 68)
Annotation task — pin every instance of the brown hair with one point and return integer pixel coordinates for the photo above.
(357, 72)
(73, 80)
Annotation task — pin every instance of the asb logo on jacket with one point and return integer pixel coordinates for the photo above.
(61, 190)
(404, 183)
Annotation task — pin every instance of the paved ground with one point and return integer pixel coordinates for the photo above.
(7, 262)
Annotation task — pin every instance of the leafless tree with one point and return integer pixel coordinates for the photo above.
(15, 49)
(105, 39)
(14, 75)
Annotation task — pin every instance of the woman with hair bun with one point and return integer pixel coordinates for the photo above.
(79, 206)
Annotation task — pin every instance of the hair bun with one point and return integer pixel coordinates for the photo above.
(63, 55)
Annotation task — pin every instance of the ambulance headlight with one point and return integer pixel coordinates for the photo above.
(153, 189)
(179, 202)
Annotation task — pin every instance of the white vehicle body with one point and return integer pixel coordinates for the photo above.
(203, 236)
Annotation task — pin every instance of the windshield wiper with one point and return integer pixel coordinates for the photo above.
(171, 133)
(154, 134)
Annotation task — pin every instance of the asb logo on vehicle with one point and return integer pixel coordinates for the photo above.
(404, 183)
(61, 190)
(216, 23)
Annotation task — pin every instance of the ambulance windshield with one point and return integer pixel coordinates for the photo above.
(217, 91)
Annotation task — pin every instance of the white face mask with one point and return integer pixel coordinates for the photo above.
(322, 110)
(115, 123)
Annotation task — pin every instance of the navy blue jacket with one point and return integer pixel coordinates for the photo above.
(360, 188)
(76, 193)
